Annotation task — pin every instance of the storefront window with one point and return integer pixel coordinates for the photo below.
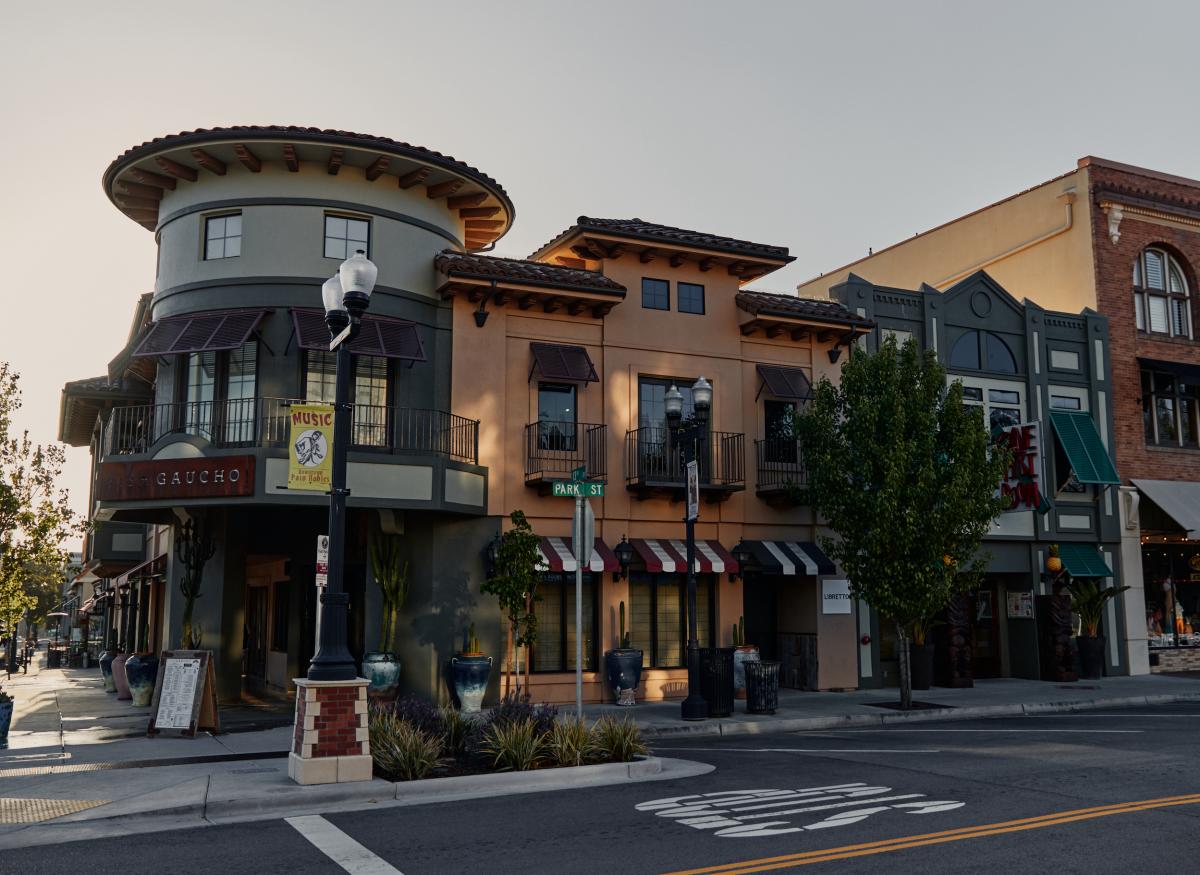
(555, 647)
(1171, 574)
(658, 614)
(1170, 409)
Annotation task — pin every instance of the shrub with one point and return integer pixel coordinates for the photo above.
(569, 743)
(617, 741)
(514, 746)
(422, 714)
(399, 750)
(456, 731)
(514, 709)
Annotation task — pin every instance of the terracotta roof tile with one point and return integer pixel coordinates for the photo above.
(774, 304)
(452, 263)
(643, 230)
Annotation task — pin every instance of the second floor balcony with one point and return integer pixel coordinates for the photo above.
(554, 449)
(654, 463)
(781, 474)
(263, 422)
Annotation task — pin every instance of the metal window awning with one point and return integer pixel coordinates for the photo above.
(559, 361)
(1085, 451)
(558, 555)
(198, 332)
(663, 555)
(788, 383)
(1083, 560)
(379, 335)
(149, 568)
(790, 558)
(1178, 499)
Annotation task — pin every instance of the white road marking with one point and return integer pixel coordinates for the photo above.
(1022, 731)
(804, 749)
(1122, 716)
(340, 848)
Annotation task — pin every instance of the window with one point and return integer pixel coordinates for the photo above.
(222, 236)
(656, 294)
(344, 235)
(898, 334)
(280, 605)
(652, 401)
(982, 350)
(779, 422)
(1002, 403)
(1066, 402)
(1170, 409)
(1160, 295)
(555, 609)
(658, 617)
(218, 392)
(200, 381)
(690, 298)
(240, 378)
(556, 416)
(370, 428)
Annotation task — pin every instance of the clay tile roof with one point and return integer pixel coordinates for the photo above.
(518, 270)
(790, 306)
(643, 230)
(95, 386)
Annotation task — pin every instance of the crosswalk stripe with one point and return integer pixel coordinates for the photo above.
(340, 848)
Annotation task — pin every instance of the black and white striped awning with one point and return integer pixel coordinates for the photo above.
(790, 558)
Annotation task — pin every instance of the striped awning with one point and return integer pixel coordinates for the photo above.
(671, 555)
(790, 558)
(558, 555)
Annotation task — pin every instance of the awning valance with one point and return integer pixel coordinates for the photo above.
(148, 568)
(790, 558)
(558, 555)
(558, 361)
(1178, 499)
(379, 335)
(199, 332)
(1083, 560)
(1085, 451)
(663, 555)
(789, 383)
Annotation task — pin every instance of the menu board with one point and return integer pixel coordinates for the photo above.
(185, 696)
(1020, 605)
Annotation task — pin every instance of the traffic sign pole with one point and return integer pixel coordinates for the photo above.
(580, 550)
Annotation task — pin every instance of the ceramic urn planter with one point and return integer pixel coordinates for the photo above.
(119, 679)
(741, 655)
(469, 674)
(106, 672)
(623, 670)
(141, 671)
(382, 671)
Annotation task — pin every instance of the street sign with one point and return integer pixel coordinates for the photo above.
(693, 490)
(577, 489)
(579, 474)
(584, 534)
(322, 560)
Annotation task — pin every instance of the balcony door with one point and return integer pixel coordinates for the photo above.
(557, 417)
(779, 419)
(658, 456)
(370, 391)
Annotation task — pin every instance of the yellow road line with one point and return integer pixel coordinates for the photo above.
(788, 861)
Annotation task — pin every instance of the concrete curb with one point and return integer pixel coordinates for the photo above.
(851, 721)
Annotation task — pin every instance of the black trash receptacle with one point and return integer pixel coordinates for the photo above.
(716, 680)
(762, 687)
(53, 658)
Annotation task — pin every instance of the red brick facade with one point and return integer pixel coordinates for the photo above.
(330, 722)
(1176, 203)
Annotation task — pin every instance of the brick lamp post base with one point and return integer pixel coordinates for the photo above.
(330, 743)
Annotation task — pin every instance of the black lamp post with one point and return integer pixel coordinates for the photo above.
(346, 296)
(624, 553)
(693, 436)
(742, 556)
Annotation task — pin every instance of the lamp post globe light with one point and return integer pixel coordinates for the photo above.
(692, 437)
(346, 296)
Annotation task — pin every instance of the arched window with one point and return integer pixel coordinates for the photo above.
(1160, 295)
(982, 350)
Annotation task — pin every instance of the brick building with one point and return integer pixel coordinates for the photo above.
(1125, 242)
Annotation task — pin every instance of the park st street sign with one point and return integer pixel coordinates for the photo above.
(577, 489)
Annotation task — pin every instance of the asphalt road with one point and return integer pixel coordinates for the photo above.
(1115, 791)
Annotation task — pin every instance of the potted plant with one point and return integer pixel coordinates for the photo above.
(141, 672)
(742, 653)
(469, 672)
(920, 652)
(1088, 599)
(623, 667)
(6, 713)
(106, 662)
(380, 667)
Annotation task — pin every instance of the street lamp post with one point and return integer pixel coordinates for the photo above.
(693, 435)
(346, 296)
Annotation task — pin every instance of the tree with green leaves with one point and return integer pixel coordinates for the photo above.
(906, 476)
(35, 515)
(513, 580)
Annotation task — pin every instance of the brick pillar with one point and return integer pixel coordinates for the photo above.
(329, 743)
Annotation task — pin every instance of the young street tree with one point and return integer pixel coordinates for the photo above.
(513, 581)
(906, 477)
(35, 516)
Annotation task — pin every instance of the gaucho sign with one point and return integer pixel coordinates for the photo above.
(175, 478)
(1021, 484)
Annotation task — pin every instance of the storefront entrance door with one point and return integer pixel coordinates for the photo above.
(987, 633)
(255, 652)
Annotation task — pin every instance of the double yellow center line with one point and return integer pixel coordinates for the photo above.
(846, 852)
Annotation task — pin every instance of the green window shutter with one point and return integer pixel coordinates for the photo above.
(1083, 560)
(1085, 451)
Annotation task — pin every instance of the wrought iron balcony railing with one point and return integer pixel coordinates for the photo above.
(654, 458)
(554, 449)
(781, 470)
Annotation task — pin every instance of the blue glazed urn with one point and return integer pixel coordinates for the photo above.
(469, 674)
(6, 712)
(623, 670)
(382, 670)
(106, 671)
(141, 671)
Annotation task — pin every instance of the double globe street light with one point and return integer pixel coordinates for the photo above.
(692, 437)
(346, 296)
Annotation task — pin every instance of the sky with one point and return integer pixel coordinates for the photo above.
(828, 127)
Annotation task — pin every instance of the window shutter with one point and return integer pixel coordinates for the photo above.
(1154, 269)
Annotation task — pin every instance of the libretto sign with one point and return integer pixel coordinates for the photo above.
(175, 478)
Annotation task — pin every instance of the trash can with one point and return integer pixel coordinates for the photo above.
(762, 687)
(716, 680)
(53, 658)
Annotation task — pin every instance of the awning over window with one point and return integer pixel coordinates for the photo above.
(559, 361)
(1085, 451)
(1083, 560)
(379, 335)
(669, 556)
(1178, 499)
(789, 383)
(558, 555)
(199, 332)
(790, 558)
(149, 568)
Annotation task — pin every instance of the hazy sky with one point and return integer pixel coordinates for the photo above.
(826, 127)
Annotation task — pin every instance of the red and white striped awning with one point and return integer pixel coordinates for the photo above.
(558, 555)
(671, 555)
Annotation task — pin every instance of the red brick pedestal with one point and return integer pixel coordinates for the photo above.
(330, 744)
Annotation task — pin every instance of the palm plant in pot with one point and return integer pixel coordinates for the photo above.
(623, 667)
(381, 667)
(469, 672)
(1088, 599)
(742, 653)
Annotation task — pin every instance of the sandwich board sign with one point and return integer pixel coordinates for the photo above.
(185, 694)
